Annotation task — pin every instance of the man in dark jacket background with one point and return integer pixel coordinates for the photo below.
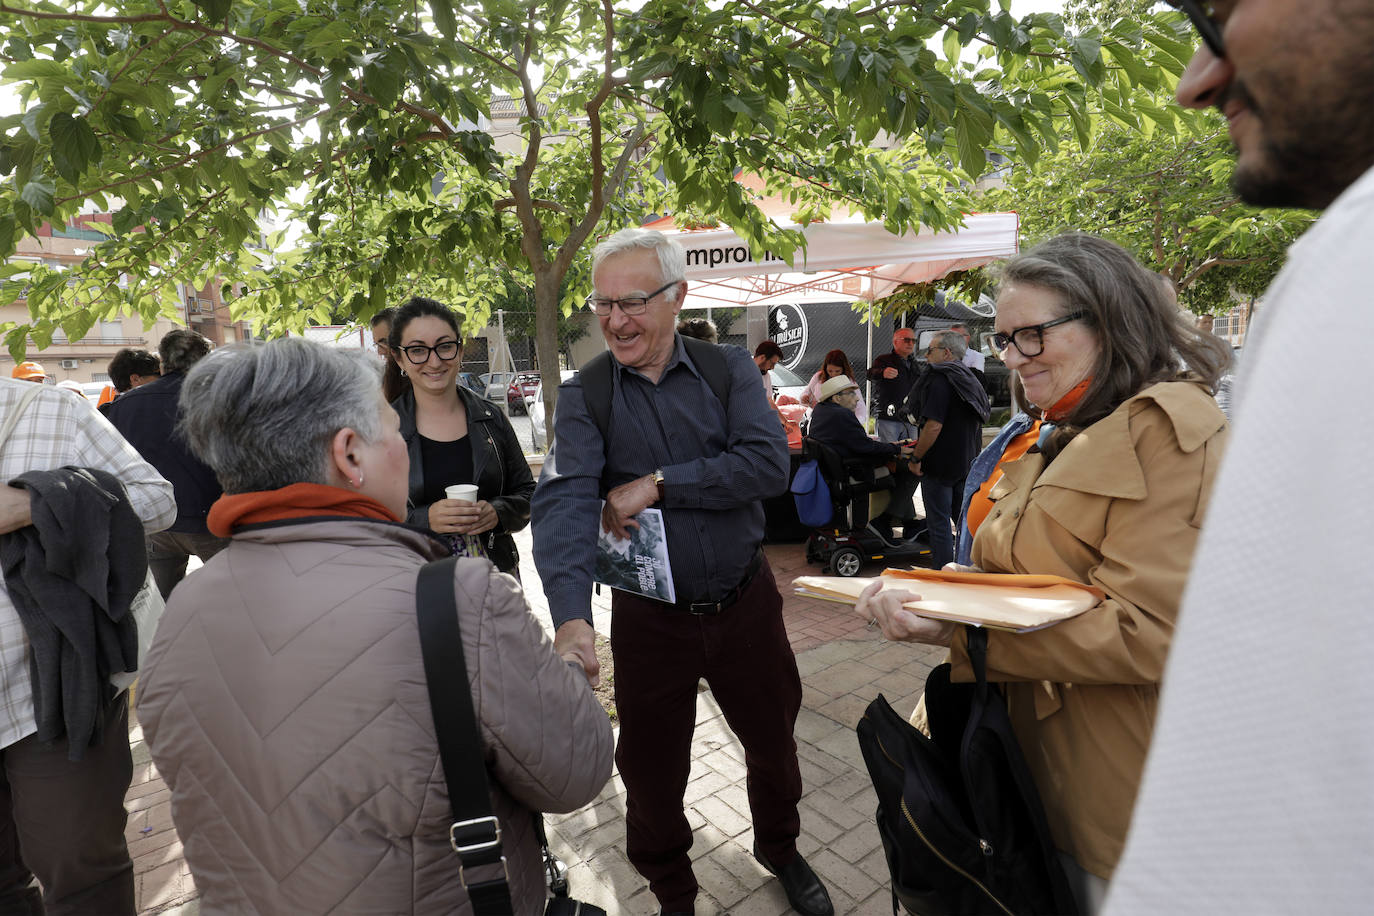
(147, 417)
(893, 375)
(950, 406)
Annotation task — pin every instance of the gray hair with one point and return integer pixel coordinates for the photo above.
(672, 258)
(1142, 335)
(952, 341)
(263, 416)
(182, 348)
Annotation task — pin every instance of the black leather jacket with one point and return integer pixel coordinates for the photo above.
(498, 463)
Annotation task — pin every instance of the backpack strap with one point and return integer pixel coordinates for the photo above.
(597, 377)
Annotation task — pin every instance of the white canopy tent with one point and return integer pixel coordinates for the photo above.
(846, 258)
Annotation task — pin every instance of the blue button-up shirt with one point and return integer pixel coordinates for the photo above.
(716, 469)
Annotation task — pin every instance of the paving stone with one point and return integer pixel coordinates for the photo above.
(717, 881)
(148, 852)
(707, 838)
(161, 886)
(840, 874)
(725, 819)
(708, 783)
(737, 797)
(841, 813)
(846, 710)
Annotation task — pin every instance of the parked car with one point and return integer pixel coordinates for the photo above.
(786, 382)
(536, 408)
(494, 385)
(521, 387)
(470, 381)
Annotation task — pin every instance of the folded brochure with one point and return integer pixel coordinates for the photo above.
(1003, 601)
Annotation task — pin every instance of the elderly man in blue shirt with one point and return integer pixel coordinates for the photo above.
(706, 461)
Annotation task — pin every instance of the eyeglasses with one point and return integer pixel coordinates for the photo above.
(633, 305)
(932, 348)
(905, 340)
(1030, 340)
(419, 353)
(1204, 18)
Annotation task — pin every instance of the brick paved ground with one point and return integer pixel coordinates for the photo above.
(843, 666)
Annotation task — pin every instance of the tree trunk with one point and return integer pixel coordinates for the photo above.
(546, 286)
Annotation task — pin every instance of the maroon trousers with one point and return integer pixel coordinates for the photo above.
(743, 654)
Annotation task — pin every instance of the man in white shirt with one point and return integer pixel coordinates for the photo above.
(62, 820)
(1257, 792)
(972, 357)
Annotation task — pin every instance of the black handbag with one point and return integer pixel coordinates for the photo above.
(961, 821)
(475, 833)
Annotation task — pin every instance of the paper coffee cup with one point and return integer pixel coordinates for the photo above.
(467, 492)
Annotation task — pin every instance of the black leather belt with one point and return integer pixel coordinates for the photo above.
(711, 608)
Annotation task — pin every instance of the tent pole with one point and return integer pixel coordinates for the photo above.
(868, 382)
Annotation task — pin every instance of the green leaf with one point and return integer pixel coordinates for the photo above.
(215, 10)
(442, 11)
(38, 194)
(74, 146)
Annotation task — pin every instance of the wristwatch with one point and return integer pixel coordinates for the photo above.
(658, 482)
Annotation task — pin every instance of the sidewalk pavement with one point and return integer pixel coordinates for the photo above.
(843, 665)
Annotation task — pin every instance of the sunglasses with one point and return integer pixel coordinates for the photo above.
(1203, 15)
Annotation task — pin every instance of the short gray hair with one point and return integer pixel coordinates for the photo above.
(952, 341)
(263, 416)
(672, 258)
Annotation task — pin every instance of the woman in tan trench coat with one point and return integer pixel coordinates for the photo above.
(1110, 490)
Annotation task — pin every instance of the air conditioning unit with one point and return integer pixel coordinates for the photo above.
(70, 363)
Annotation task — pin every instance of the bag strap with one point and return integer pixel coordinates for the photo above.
(475, 834)
(597, 378)
(13, 419)
(978, 658)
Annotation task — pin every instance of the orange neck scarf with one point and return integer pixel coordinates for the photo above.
(299, 500)
(1068, 402)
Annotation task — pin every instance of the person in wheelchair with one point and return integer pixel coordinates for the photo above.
(833, 424)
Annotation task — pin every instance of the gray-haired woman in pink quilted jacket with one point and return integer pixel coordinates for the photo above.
(284, 696)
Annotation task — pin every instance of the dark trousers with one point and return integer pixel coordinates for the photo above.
(63, 822)
(940, 495)
(170, 551)
(660, 655)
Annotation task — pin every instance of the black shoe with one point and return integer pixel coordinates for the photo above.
(804, 890)
(882, 528)
(676, 913)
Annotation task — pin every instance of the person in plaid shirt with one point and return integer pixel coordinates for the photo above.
(59, 820)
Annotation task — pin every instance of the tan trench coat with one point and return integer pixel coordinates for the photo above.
(1120, 508)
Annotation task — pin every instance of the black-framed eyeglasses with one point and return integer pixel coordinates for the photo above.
(934, 347)
(419, 353)
(633, 305)
(1030, 340)
(1203, 15)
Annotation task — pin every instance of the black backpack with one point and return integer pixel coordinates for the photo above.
(598, 383)
(959, 815)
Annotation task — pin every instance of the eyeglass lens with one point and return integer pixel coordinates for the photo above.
(419, 353)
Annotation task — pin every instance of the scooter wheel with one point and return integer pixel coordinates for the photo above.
(846, 562)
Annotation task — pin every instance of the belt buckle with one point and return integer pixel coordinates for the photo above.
(704, 608)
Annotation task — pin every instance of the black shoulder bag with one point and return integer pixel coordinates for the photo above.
(959, 815)
(475, 834)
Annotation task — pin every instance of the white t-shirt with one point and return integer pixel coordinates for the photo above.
(973, 359)
(1258, 794)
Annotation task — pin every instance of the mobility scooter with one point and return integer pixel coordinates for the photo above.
(850, 540)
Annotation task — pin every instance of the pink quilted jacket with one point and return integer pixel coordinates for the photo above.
(284, 702)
